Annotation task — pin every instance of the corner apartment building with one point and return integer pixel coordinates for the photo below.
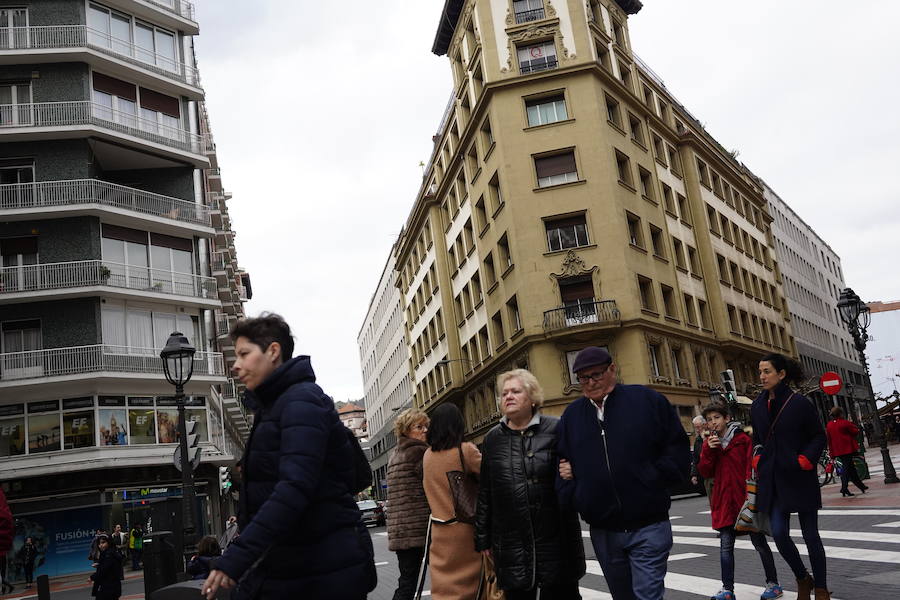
(813, 280)
(571, 201)
(385, 361)
(107, 239)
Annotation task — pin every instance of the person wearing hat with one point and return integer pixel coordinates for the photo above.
(620, 447)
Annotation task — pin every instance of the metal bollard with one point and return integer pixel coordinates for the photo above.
(43, 587)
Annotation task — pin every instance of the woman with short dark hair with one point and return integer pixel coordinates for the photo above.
(108, 577)
(302, 534)
(842, 444)
(787, 426)
(455, 565)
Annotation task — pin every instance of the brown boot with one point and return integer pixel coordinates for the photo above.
(805, 588)
(822, 594)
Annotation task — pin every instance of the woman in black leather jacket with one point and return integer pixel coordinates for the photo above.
(535, 545)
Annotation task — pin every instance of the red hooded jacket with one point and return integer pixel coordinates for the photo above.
(730, 468)
(841, 437)
(7, 527)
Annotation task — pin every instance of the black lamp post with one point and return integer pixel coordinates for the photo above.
(855, 315)
(178, 365)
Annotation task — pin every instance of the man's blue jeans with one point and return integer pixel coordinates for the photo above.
(634, 562)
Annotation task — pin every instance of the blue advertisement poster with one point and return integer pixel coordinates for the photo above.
(63, 540)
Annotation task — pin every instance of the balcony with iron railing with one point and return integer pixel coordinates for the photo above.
(585, 313)
(526, 16)
(15, 41)
(26, 199)
(55, 279)
(182, 8)
(96, 359)
(223, 325)
(22, 118)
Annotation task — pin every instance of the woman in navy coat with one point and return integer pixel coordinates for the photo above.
(302, 535)
(787, 426)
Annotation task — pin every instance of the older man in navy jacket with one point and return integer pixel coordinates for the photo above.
(620, 447)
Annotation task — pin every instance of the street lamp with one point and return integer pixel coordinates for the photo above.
(178, 365)
(855, 315)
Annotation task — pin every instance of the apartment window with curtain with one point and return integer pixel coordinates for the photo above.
(568, 232)
(128, 36)
(528, 10)
(556, 169)
(548, 109)
(19, 343)
(18, 254)
(154, 262)
(15, 103)
(128, 330)
(537, 57)
(577, 295)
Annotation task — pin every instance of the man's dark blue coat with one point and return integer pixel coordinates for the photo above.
(301, 533)
(623, 484)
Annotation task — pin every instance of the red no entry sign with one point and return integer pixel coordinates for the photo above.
(830, 383)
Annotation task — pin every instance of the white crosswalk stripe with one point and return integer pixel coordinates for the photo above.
(892, 524)
(866, 555)
(861, 536)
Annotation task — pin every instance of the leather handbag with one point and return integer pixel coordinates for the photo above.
(489, 586)
(464, 490)
(750, 519)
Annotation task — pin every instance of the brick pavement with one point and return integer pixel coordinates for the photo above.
(878, 494)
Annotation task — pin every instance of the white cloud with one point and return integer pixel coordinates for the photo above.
(322, 112)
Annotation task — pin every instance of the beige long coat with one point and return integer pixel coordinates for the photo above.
(454, 563)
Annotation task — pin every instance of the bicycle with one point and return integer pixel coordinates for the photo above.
(827, 468)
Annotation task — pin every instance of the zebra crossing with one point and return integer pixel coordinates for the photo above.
(862, 546)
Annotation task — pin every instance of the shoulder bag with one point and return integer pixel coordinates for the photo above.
(464, 490)
(750, 519)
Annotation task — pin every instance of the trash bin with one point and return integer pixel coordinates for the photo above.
(160, 561)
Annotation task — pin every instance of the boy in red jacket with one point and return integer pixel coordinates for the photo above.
(725, 456)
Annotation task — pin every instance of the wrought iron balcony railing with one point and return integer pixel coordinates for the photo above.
(527, 16)
(223, 324)
(51, 37)
(83, 112)
(79, 360)
(601, 311)
(86, 273)
(46, 194)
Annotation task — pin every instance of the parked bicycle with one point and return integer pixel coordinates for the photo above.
(828, 468)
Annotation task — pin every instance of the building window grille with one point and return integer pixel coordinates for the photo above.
(528, 10)
(538, 57)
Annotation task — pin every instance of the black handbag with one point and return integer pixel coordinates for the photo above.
(464, 490)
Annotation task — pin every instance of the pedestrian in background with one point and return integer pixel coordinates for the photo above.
(700, 433)
(119, 540)
(201, 563)
(94, 553)
(842, 444)
(455, 564)
(787, 425)
(620, 447)
(29, 555)
(725, 456)
(136, 545)
(108, 576)
(302, 535)
(7, 533)
(407, 506)
(534, 544)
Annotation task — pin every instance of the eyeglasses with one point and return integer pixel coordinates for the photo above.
(595, 377)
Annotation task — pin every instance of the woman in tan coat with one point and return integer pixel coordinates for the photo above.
(407, 508)
(455, 565)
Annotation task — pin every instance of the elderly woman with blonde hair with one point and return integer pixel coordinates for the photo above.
(407, 507)
(535, 544)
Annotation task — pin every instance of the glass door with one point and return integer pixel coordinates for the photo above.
(15, 105)
(20, 344)
(15, 191)
(13, 28)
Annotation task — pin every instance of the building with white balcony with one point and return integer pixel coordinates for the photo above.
(114, 232)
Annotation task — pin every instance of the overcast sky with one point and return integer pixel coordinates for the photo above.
(322, 111)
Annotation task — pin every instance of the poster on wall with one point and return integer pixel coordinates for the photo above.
(112, 427)
(63, 541)
(167, 426)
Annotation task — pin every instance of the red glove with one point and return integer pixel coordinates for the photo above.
(804, 463)
(756, 461)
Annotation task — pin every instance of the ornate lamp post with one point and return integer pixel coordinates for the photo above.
(178, 365)
(855, 315)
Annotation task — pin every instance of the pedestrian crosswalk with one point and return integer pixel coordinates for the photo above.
(862, 546)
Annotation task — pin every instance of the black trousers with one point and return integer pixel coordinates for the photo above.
(849, 473)
(560, 591)
(409, 561)
(29, 573)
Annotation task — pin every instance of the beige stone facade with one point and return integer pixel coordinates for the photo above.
(571, 201)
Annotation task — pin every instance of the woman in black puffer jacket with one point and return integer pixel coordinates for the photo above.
(535, 545)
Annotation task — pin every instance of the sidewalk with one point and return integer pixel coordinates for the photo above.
(878, 494)
(67, 582)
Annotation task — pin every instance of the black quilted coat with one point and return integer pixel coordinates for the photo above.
(518, 517)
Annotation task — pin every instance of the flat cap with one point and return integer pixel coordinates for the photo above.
(591, 357)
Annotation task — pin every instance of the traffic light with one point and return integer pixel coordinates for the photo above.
(729, 385)
(193, 441)
(224, 479)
